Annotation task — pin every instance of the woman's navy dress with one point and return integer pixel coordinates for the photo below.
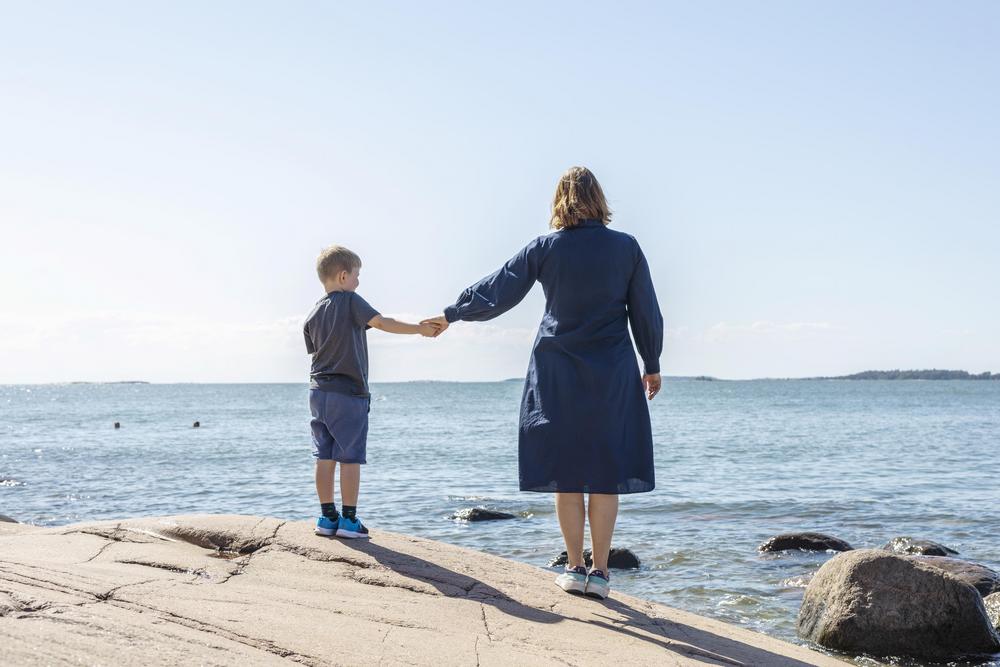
(584, 419)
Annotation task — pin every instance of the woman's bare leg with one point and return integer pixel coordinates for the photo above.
(603, 511)
(571, 514)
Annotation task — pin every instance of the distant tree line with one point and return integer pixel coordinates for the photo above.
(933, 374)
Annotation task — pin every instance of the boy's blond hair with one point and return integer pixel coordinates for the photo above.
(335, 259)
(578, 197)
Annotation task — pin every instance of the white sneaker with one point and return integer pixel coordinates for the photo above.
(573, 580)
(598, 585)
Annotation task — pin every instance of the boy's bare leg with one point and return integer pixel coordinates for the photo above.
(350, 483)
(569, 509)
(603, 511)
(324, 480)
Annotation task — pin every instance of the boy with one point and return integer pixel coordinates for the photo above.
(338, 395)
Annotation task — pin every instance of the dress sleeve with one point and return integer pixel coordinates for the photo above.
(497, 293)
(362, 311)
(644, 315)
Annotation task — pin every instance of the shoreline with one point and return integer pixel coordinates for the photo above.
(209, 588)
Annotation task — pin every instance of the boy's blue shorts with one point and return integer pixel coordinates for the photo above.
(339, 426)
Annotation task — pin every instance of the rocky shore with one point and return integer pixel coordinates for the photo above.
(218, 590)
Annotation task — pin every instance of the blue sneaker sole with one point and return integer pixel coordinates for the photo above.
(350, 534)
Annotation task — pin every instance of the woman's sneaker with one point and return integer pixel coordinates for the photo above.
(326, 527)
(351, 528)
(573, 580)
(598, 584)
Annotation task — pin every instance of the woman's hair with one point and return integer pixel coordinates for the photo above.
(335, 259)
(578, 197)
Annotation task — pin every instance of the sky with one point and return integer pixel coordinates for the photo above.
(815, 185)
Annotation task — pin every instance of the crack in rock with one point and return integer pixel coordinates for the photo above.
(486, 625)
(18, 605)
(198, 572)
(44, 584)
(201, 626)
(382, 583)
(323, 556)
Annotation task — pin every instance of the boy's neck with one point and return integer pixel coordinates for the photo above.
(333, 287)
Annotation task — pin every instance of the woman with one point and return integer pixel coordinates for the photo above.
(584, 426)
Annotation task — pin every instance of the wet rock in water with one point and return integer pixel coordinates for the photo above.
(196, 425)
(118, 425)
(481, 514)
(805, 542)
(883, 604)
(980, 577)
(992, 604)
(908, 545)
(618, 559)
(6, 519)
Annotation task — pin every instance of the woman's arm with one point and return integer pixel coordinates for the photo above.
(647, 323)
(498, 292)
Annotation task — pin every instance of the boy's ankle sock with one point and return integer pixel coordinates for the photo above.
(329, 510)
(350, 512)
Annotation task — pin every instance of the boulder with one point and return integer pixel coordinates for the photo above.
(908, 545)
(618, 559)
(883, 604)
(481, 514)
(6, 519)
(980, 577)
(805, 542)
(992, 604)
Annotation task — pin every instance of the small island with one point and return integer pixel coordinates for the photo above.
(932, 374)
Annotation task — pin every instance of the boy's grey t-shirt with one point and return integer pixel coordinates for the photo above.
(335, 337)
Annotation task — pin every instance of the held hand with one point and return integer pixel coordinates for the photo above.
(439, 323)
(429, 329)
(651, 383)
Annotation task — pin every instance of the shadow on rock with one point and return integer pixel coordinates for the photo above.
(687, 640)
(447, 581)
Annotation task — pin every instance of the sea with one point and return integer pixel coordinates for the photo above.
(736, 463)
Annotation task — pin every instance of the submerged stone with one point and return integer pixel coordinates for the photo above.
(804, 542)
(618, 559)
(481, 514)
(908, 545)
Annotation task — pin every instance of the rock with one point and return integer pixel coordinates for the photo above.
(154, 591)
(992, 604)
(6, 519)
(118, 425)
(805, 542)
(196, 425)
(883, 604)
(618, 559)
(481, 514)
(908, 545)
(980, 577)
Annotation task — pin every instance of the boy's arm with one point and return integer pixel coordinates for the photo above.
(389, 325)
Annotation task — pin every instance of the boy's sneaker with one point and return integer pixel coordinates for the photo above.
(573, 580)
(598, 584)
(351, 528)
(326, 526)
